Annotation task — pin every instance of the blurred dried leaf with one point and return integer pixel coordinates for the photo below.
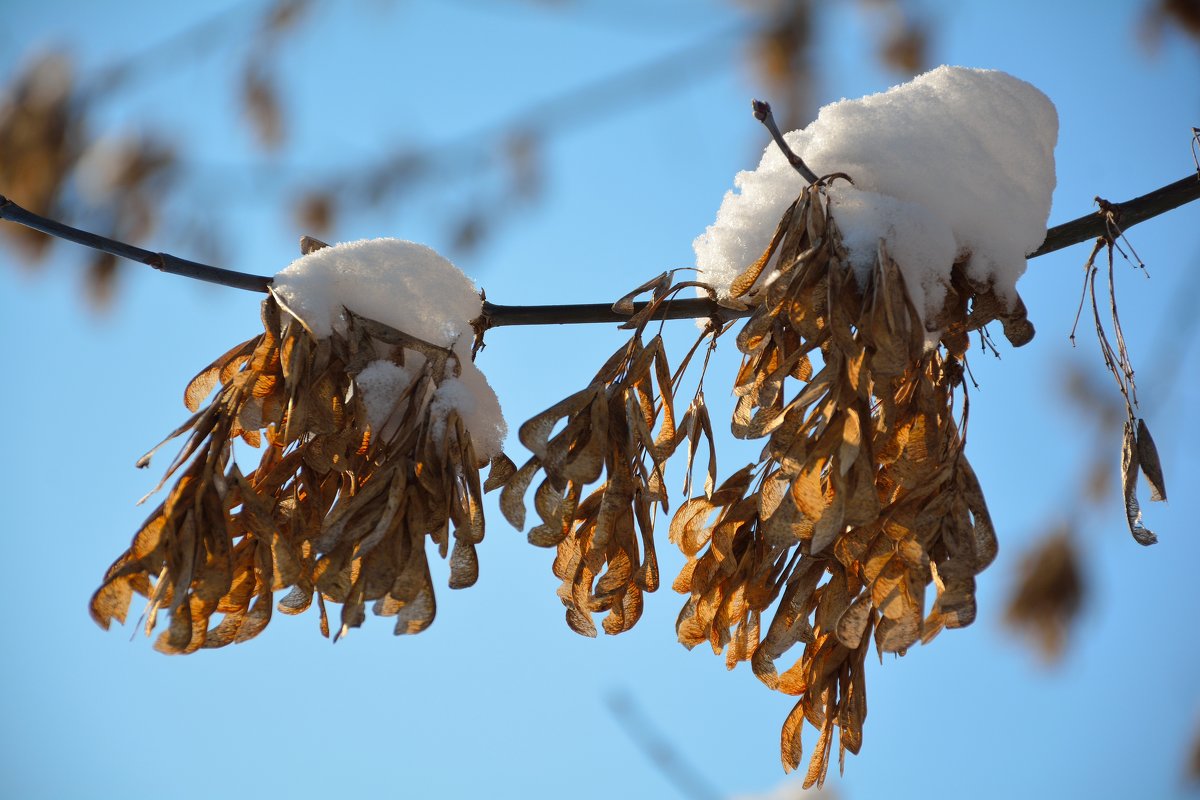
(781, 51)
(260, 103)
(1098, 483)
(1183, 15)
(905, 41)
(315, 211)
(41, 136)
(283, 15)
(1048, 594)
(905, 48)
(101, 280)
(119, 180)
(1193, 765)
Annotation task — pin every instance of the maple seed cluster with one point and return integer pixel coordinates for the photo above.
(861, 500)
(605, 541)
(862, 497)
(336, 509)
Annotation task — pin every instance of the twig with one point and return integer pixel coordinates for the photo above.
(1079, 230)
(762, 113)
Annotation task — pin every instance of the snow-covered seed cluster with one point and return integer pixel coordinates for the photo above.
(373, 424)
(955, 166)
(862, 502)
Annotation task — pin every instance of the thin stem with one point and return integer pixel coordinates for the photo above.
(762, 113)
(1090, 226)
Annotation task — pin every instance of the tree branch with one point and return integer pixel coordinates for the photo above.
(164, 262)
(1070, 233)
(1131, 212)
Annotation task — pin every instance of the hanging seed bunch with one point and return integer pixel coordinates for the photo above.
(619, 431)
(368, 449)
(1139, 455)
(862, 498)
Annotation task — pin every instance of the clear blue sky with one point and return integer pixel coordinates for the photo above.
(499, 698)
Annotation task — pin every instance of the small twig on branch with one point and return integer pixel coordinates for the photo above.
(762, 113)
(1079, 230)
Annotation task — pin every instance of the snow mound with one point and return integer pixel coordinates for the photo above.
(957, 162)
(411, 288)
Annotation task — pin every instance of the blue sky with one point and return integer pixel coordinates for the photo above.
(499, 697)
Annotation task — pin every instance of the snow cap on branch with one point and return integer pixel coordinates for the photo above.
(409, 287)
(956, 163)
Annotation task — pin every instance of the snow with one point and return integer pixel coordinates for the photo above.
(405, 285)
(956, 163)
(411, 288)
(381, 383)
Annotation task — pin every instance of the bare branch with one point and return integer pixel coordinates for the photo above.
(496, 316)
(1130, 213)
(164, 262)
(1070, 233)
